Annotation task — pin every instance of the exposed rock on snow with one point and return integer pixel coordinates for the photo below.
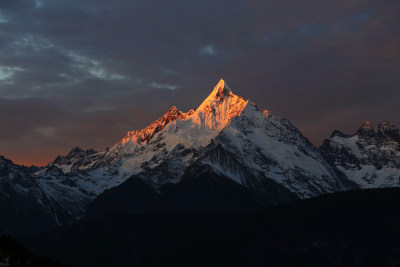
(370, 159)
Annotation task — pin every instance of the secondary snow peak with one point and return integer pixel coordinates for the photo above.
(146, 134)
(367, 124)
(386, 125)
(366, 129)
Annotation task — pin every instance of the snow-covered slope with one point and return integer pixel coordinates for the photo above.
(271, 147)
(28, 207)
(370, 159)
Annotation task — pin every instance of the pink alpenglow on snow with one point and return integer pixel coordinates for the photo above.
(213, 114)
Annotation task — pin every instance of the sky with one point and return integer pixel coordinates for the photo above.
(83, 73)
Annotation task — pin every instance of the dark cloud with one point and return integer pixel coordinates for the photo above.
(84, 72)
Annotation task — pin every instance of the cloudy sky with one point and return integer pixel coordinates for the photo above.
(82, 72)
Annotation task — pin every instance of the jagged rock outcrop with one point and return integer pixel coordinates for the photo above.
(369, 158)
(145, 135)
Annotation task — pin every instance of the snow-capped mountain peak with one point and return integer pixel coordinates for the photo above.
(212, 115)
(218, 108)
(220, 90)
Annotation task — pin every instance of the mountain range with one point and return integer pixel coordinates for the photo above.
(225, 156)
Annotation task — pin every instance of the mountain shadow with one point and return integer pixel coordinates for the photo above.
(356, 228)
(201, 190)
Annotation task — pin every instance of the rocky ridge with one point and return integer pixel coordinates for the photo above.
(369, 158)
